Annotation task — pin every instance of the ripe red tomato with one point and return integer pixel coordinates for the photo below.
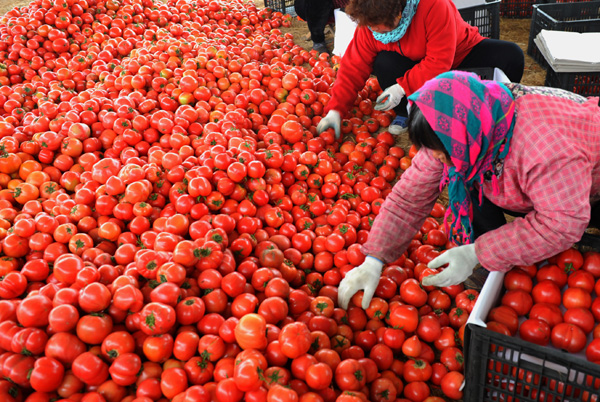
(569, 260)
(546, 292)
(294, 339)
(466, 299)
(568, 337)
(518, 279)
(250, 332)
(591, 263)
(507, 316)
(452, 383)
(518, 300)
(535, 331)
(549, 313)
(412, 293)
(350, 375)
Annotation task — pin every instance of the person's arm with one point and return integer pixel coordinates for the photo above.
(440, 26)
(559, 188)
(355, 68)
(405, 208)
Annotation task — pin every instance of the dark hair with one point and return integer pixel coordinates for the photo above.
(420, 132)
(375, 12)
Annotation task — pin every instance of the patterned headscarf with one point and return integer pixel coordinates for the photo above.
(395, 35)
(474, 119)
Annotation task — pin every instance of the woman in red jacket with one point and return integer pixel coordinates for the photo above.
(405, 43)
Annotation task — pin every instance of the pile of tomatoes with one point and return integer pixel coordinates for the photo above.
(173, 228)
(558, 298)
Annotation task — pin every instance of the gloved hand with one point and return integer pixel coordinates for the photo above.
(461, 263)
(364, 277)
(332, 120)
(390, 98)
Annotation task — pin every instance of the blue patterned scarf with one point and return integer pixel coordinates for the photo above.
(394, 36)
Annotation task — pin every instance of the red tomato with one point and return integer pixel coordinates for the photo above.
(518, 300)
(452, 383)
(549, 313)
(250, 332)
(350, 375)
(546, 292)
(568, 337)
(535, 331)
(294, 339)
(507, 316)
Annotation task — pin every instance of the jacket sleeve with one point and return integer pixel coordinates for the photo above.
(440, 47)
(355, 68)
(405, 208)
(559, 189)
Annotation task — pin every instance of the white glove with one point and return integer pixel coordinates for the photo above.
(461, 263)
(390, 98)
(364, 277)
(332, 120)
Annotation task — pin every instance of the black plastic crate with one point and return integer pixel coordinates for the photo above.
(518, 8)
(586, 84)
(508, 369)
(285, 6)
(572, 17)
(486, 17)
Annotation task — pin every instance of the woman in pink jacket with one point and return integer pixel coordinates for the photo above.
(405, 43)
(532, 152)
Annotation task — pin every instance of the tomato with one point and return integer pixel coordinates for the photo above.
(535, 331)
(452, 358)
(569, 260)
(294, 339)
(592, 351)
(94, 328)
(552, 273)
(157, 318)
(64, 347)
(591, 263)
(458, 317)
(33, 311)
(417, 391)
(90, 369)
(549, 313)
(250, 332)
(47, 374)
(466, 299)
(279, 393)
(412, 347)
(318, 376)
(518, 279)
(125, 368)
(568, 337)
(546, 292)
(117, 343)
(451, 385)
(350, 375)
(581, 317)
(576, 297)
(412, 293)
(507, 316)
(173, 381)
(417, 370)
(518, 300)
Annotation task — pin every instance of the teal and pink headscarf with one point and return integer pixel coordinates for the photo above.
(474, 119)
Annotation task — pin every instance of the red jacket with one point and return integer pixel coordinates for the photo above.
(437, 36)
